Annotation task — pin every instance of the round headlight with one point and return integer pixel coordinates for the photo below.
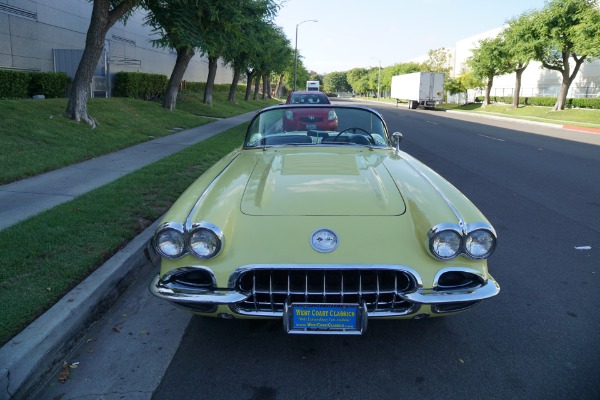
(170, 243)
(445, 244)
(205, 243)
(480, 244)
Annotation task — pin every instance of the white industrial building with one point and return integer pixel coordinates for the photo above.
(536, 80)
(49, 36)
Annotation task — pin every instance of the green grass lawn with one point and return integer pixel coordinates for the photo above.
(35, 137)
(44, 257)
(577, 117)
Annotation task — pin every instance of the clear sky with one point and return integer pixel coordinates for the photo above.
(361, 33)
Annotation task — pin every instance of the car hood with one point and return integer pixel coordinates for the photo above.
(325, 183)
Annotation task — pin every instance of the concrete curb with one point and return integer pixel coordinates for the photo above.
(30, 357)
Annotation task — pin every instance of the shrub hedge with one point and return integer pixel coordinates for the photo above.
(50, 84)
(14, 85)
(21, 85)
(139, 85)
(545, 101)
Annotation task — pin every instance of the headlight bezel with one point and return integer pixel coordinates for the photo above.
(464, 234)
(168, 227)
(211, 229)
(187, 235)
(489, 252)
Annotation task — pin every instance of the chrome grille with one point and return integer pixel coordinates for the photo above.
(270, 288)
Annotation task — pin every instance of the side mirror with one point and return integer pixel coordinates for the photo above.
(397, 139)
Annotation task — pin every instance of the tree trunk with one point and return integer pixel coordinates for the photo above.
(279, 87)
(184, 55)
(561, 101)
(567, 79)
(517, 92)
(101, 21)
(210, 80)
(234, 84)
(488, 90)
(249, 76)
(266, 87)
(256, 86)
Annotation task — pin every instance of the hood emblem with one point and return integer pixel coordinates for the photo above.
(324, 240)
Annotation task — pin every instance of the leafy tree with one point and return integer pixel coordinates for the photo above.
(462, 83)
(219, 26)
(336, 82)
(520, 49)
(246, 52)
(564, 31)
(105, 13)
(176, 23)
(358, 78)
(439, 60)
(488, 61)
(302, 74)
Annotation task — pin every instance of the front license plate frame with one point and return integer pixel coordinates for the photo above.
(325, 318)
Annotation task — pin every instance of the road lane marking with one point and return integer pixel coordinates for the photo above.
(493, 138)
(431, 122)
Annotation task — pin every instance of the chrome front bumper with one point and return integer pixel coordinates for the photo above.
(206, 299)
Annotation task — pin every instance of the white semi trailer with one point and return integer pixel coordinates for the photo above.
(419, 89)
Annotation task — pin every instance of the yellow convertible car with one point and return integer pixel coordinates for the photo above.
(323, 229)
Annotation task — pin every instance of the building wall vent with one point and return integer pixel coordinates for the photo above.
(123, 40)
(16, 11)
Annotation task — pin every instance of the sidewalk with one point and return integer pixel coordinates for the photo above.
(23, 199)
(34, 354)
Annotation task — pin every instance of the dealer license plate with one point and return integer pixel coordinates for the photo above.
(303, 318)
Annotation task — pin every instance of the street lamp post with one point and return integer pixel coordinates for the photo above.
(378, 79)
(296, 49)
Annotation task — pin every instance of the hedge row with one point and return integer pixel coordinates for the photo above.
(545, 101)
(139, 85)
(198, 87)
(20, 85)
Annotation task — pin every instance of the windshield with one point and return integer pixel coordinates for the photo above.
(325, 125)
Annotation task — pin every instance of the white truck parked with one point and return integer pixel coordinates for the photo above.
(312, 85)
(419, 89)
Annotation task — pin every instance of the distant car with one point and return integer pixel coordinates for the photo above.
(300, 119)
(323, 230)
(307, 97)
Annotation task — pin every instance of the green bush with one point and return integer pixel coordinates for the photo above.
(14, 85)
(196, 87)
(585, 103)
(139, 85)
(50, 84)
(539, 101)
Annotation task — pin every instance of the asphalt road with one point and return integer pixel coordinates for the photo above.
(538, 339)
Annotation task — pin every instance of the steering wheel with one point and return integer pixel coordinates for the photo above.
(354, 129)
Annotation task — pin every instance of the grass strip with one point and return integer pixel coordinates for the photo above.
(570, 116)
(44, 257)
(576, 117)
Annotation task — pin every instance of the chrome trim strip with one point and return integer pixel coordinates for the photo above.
(489, 289)
(188, 220)
(208, 296)
(461, 221)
